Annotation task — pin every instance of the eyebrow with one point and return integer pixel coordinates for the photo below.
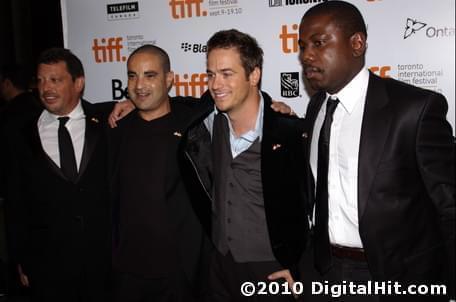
(222, 70)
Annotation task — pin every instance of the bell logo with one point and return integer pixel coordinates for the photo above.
(108, 50)
(382, 71)
(181, 9)
(289, 39)
(194, 87)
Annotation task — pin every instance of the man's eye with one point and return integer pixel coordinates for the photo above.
(319, 43)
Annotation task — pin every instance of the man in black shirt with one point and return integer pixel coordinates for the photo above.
(158, 236)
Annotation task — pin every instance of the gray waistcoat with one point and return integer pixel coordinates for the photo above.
(238, 216)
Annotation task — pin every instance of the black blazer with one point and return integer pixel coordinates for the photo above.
(406, 182)
(58, 228)
(282, 167)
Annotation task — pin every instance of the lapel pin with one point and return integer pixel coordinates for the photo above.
(95, 120)
(305, 135)
(178, 134)
(276, 146)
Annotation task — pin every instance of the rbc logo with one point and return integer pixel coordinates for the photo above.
(289, 82)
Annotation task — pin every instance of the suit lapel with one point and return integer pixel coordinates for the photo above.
(374, 130)
(92, 132)
(311, 115)
(33, 138)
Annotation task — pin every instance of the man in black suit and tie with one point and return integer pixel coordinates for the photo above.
(58, 211)
(382, 173)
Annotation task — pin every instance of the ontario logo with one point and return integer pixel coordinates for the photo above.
(289, 84)
(413, 26)
(122, 11)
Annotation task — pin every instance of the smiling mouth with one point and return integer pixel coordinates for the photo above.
(220, 95)
(49, 98)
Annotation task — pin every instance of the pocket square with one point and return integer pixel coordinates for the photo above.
(95, 120)
(305, 135)
(177, 133)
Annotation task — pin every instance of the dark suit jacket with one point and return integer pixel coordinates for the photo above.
(406, 182)
(57, 228)
(282, 164)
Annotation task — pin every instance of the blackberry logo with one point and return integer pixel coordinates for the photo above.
(289, 84)
(122, 11)
(412, 26)
(186, 46)
(195, 48)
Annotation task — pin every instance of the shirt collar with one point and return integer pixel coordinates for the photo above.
(250, 135)
(76, 114)
(353, 92)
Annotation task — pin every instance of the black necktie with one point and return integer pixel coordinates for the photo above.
(66, 150)
(322, 246)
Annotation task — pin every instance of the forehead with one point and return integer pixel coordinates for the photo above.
(145, 59)
(316, 24)
(224, 57)
(53, 68)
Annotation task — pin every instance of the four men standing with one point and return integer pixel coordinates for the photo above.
(372, 168)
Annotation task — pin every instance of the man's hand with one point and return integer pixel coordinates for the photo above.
(22, 277)
(284, 274)
(282, 108)
(121, 109)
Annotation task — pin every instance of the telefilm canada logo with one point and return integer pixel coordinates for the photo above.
(413, 26)
(194, 47)
(123, 11)
(279, 3)
(289, 84)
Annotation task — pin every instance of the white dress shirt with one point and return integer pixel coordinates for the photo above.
(343, 160)
(243, 142)
(48, 125)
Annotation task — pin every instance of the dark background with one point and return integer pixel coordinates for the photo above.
(27, 27)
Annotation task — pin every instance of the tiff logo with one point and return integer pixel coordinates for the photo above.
(193, 85)
(108, 50)
(181, 9)
(289, 38)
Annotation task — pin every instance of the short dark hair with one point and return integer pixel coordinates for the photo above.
(19, 75)
(250, 52)
(154, 50)
(345, 15)
(56, 55)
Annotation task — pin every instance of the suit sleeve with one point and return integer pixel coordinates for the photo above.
(16, 209)
(435, 153)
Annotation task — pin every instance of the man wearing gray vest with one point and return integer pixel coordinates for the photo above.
(247, 161)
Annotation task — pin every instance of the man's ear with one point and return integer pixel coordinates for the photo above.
(358, 44)
(255, 76)
(169, 79)
(79, 83)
